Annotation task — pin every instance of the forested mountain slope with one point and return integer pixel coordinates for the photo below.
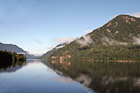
(117, 39)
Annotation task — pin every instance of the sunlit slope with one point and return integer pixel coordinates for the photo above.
(117, 39)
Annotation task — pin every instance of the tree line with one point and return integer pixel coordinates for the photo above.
(8, 57)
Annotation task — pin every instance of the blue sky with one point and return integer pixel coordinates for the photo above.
(38, 25)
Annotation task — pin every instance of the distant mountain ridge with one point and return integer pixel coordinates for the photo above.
(117, 39)
(46, 55)
(15, 48)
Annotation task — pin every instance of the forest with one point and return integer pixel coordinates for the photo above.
(7, 57)
(119, 39)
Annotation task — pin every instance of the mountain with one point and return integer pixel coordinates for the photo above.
(46, 55)
(14, 48)
(119, 39)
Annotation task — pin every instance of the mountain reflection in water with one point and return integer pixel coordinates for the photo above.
(34, 76)
(103, 77)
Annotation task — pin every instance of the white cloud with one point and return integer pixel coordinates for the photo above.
(88, 31)
(36, 54)
(107, 41)
(136, 14)
(86, 41)
(37, 41)
(136, 40)
(63, 40)
(50, 47)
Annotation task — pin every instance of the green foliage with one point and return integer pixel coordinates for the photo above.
(123, 28)
(7, 57)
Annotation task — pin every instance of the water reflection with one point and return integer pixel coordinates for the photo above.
(103, 77)
(37, 77)
(11, 66)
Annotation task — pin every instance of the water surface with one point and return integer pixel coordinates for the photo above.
(36, 77)
(103, 77)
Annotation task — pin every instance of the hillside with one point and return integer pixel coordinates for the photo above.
(119, 39)
(46, 55)
(14, 48)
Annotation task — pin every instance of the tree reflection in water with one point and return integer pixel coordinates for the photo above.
(10, 66)
(103, 77)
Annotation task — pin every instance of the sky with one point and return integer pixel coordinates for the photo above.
(39, 25)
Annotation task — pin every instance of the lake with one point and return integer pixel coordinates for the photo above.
(35, 76)
(102, 77)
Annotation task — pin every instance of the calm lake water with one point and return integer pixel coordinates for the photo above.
(102, 77)
(36, 77)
